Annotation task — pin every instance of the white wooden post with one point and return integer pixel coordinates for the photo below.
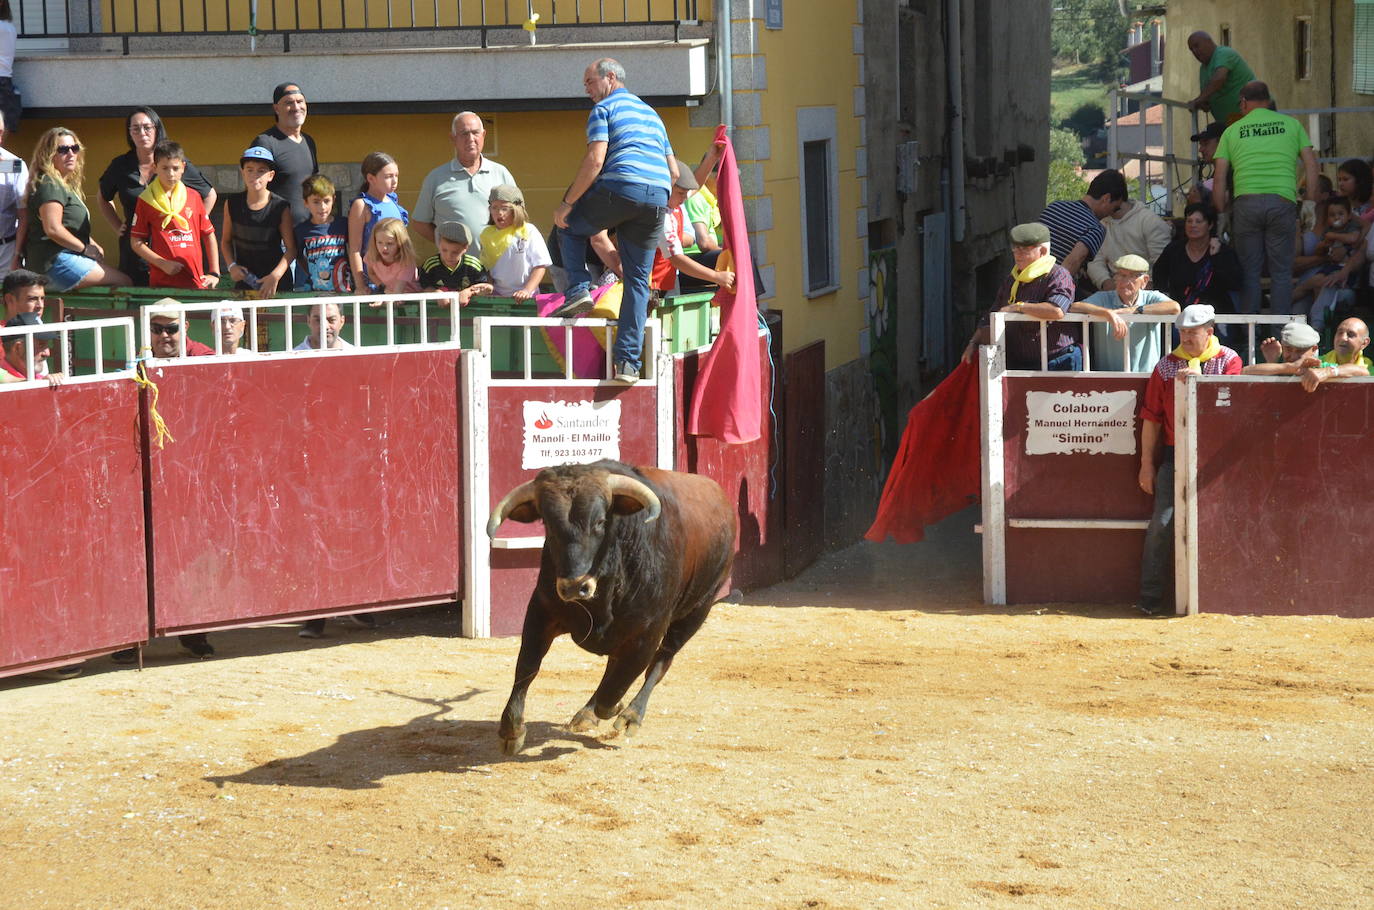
(476, 372)
(991, 366)
(1185, 495)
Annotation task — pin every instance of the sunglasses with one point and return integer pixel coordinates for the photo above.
(68, 149)
(167, 328)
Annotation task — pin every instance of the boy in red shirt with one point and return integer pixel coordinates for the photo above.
(170, 229)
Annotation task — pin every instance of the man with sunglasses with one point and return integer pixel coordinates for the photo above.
(165, 328)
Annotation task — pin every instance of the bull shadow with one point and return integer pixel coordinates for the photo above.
(363, 759)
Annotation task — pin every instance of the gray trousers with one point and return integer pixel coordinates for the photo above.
(1157, 561)
(1265, 229)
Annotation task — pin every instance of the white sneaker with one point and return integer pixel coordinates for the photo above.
(625, 373)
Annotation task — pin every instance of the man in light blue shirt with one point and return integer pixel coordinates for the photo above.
(1114, 308)
(623, 183)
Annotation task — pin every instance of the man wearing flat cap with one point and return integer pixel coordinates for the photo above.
(1130, 296)
(1288, 355)
(1199, 352)
(1040, 288)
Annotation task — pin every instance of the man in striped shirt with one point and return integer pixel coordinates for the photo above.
(623, 183)
(1076, 231)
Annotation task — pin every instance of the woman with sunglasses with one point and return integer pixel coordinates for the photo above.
(58, 233)
(128, 175)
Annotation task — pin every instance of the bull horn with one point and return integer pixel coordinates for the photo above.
(639, 492)
(508, 504)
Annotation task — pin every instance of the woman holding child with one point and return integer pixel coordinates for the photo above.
(129, 174)
(57, 236)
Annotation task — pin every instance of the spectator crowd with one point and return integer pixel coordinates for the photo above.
(287, 230)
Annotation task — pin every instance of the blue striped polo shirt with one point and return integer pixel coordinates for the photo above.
(636, 142)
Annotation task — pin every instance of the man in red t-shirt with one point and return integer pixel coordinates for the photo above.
(170, 229)
(1198, 353)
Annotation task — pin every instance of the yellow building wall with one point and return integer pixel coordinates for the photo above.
(810, 64)
(1263, 32)
(541, 149)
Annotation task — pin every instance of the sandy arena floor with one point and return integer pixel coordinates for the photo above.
(866, 735)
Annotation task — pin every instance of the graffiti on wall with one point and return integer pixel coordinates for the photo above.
(882, 353)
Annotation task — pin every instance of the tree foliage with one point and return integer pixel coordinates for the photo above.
(1089, 31)
(1065, 182)
(1065, 146)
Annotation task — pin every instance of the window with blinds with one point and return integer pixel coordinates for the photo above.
(1364, 47)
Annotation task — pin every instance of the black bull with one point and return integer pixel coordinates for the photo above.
(633, 561)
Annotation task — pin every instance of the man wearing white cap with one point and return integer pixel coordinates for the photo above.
(1199, 352)
(228, 325)
(1128, 297)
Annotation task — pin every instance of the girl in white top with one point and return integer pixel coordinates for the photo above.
(513, 250)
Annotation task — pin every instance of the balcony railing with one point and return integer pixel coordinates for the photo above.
(457, 22)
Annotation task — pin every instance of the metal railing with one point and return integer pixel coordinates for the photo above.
(36, 370)
(485, 326)
(479, 18)
(1163, 339)
(436, 310)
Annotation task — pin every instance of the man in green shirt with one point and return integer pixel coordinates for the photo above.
(1346, 359)
(1263, 147)
(1222, 74)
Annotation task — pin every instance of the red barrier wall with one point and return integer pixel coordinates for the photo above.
(72, 567)
(305, 485)
(1283, 497)
(745, 471)
(1064, 564)
(514, 572)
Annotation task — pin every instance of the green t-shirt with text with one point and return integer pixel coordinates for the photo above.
(1263, 148)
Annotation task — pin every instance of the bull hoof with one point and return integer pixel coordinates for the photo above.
(513, 745)
(628, 722)
(583, 721)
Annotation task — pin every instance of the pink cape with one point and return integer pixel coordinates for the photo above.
(727, 402)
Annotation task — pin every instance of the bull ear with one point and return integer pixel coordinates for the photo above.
(525, 512)
(625, 505)
(520, 504)
(629, 496)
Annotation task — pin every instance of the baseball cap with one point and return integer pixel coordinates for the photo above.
(1212, 131)
(258, 153)
(456, 232)
(285, 88)
(1199, 314)
(1300, 335)
(28, 319)
(165, 313)
(227, 312)
(1031, 234)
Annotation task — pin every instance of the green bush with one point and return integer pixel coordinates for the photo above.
(1086, 119)
(1066, 146)
(1065, 182)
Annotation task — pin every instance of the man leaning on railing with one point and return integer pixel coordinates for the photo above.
(1036, 287)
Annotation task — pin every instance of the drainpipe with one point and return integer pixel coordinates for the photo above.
(954, 78)
(725, 70)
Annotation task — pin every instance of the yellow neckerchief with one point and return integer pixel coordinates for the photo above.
(1037, 269)
(495, 241)
(171, 206)
(1213, 349)
(1335, 356)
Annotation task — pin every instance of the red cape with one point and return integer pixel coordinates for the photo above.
(936, 472)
